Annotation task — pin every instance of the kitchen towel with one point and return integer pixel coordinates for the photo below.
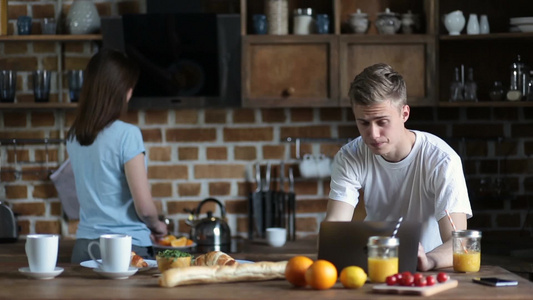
(63, 179)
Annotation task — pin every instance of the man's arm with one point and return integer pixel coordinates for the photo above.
(339, 211)
(442, 256)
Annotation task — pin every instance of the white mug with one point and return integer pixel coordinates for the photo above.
(276, 236)
(41, 250)
(115, 250)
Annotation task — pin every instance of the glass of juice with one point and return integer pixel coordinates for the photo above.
(382, 257)
(466, 250)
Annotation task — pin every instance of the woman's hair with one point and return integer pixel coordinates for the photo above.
(377, 84)
(103, 98)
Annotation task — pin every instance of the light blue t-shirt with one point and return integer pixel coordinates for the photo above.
(106, 204)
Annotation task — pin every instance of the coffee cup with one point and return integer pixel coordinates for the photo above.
(41, 250)
(115, 251)
(276, 236)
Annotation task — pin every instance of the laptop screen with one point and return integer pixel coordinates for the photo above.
(345, 243)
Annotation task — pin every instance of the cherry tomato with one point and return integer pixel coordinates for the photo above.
(418, 276)
(406, 273)
(442, 277)
(399, 277)
(420, 281)
(430, 280)
(407, 280)
(391, 280)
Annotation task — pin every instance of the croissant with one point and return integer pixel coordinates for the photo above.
(214, 258)
(137, 261)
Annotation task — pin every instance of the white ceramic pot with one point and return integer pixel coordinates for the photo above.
(454, 22)
(83, 18)
(359, 22)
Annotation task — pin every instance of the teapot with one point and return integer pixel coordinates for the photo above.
(454, 22)
(388, 22)
(210, 233)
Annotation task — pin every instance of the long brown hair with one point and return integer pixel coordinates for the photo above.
(103, 98)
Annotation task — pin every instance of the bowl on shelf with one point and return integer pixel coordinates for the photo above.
(525, 27)
(521, 21)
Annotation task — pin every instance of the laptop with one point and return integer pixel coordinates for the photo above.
(345, 243)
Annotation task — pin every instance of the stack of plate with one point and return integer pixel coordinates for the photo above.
(522, 24)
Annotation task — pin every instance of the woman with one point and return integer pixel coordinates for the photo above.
(108, 161)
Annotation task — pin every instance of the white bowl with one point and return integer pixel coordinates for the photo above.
(521, 21)
(526, 27)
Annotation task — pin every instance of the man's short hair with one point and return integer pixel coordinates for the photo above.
(377, 84)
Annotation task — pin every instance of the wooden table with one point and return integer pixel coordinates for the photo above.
(77, 282)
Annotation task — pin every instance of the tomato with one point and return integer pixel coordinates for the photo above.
(391, 280)
(420, 281)
(406, 273)
(418, 276)
(407, 280)
(430, 280)
(398, 277)
(442, 277)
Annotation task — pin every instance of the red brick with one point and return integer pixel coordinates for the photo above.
(45, 47)
(14, 11)
(188, 153)
(16, 48)
(152, 117)
(237, 207)
(16, 191)
(304, 148)
(160, 153)
(314, 131)
(29, 208)
(40, 155)
(307, 224)
(242, 224)
(218, 171)
(191, 135)
(311, 206)
(301, 114)
(189, 189)
(162, 189)
(152, 135)
(44, 191)
(187, 116)
(51, 227)
(274, 152)
(168, 172)
(15, 119)
(219, 188)
(40, 11)
(273, 115)
(215, 116)
(24, 226)
(128, 7)
(177, 207)
(330, 149)
(248, 134)
(349, 131)
(243, 115)
(22, 155)
(217, 153)
(331, 114)
(55, 208)
(308, 187)
(244, 153)
(131, 117)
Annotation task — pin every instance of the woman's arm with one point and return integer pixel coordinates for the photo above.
(142, 197)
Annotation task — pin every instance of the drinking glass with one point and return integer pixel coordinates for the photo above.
(260, 23)
(8, 85)
(24, 25)
(75, 82)
(466, 250)
(322, 23)
(41, 85)
(382, 257)
(48, 26)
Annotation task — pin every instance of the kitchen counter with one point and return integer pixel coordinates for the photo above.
(77, 282)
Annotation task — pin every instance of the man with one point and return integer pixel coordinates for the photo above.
(404, 173)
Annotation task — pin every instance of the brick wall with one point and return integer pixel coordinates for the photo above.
(195, 154)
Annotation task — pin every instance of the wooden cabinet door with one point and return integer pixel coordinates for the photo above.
(411, 56)
(289, 71)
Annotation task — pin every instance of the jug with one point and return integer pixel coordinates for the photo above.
(454, 22)
(210, 233)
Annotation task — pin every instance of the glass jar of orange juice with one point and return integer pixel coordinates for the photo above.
(466, 250)
(382, 257)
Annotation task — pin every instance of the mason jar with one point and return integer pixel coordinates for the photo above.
(303, 21)
(466, 250)
(382, 257)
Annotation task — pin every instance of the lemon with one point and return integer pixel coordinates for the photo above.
(353, 277)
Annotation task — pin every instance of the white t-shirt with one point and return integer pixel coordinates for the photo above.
(419, 188)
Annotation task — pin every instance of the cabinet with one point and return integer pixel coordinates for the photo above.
(54, 62)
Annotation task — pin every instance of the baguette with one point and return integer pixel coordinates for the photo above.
(264, 270)
(214, 258)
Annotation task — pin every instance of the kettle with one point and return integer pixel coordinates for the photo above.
(8, 225)
(211, 233)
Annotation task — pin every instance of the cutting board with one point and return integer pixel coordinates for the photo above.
(414, 290)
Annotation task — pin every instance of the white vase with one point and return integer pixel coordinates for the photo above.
(484, 27)
(454, 22)
(83, 18)
(473, 25)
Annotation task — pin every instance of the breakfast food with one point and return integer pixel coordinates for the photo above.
(137, 261)
(214, 258)
(213, 274)
(170, 258)
(173, 241)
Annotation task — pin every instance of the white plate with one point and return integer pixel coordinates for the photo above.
(92, 264)
(242, 261)
(41, 275)
(522, 20)
(157, 246)
(116, 275)
(525, 28)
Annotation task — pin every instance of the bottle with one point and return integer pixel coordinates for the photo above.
(466, 250)
(472, 26)
(3, 17)
(303, 21)
(456, 88)
(484, 27)
(470, 88)
(515, 88)
(382, 257)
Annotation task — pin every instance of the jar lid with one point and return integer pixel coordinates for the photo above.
(383, 241)
(387, 12)
(308, 11)
(466, 233)
(359, 14)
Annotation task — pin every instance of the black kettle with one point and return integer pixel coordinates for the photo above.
(211, 233)
(8, 225)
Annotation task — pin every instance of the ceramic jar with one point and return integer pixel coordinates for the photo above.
(409, 23)
(359, 22)
(388, 22)
(454, 22)
(83, 18)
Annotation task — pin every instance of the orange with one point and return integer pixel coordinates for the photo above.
(166, 240)
(180, 242)
(295, 270)
(321, 275)
(189, 242)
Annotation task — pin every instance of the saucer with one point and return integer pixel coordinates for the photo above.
(116, 275)
(41, 275)
(92, 264)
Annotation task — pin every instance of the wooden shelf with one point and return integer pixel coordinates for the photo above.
(491, 36)
(49, 105)
(486, 104)
(51, 38)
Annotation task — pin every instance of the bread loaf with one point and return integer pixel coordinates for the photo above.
(214, 258)
(212, 274)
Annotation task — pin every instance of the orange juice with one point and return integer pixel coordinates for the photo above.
(380, 268)
(466, 262)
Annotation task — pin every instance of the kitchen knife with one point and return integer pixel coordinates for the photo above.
(257, 202)
(281, 196)
(292, 207)
(267, 196)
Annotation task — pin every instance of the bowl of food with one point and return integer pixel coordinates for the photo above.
(171, 258)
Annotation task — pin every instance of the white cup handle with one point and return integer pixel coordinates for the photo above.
(99, 264)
